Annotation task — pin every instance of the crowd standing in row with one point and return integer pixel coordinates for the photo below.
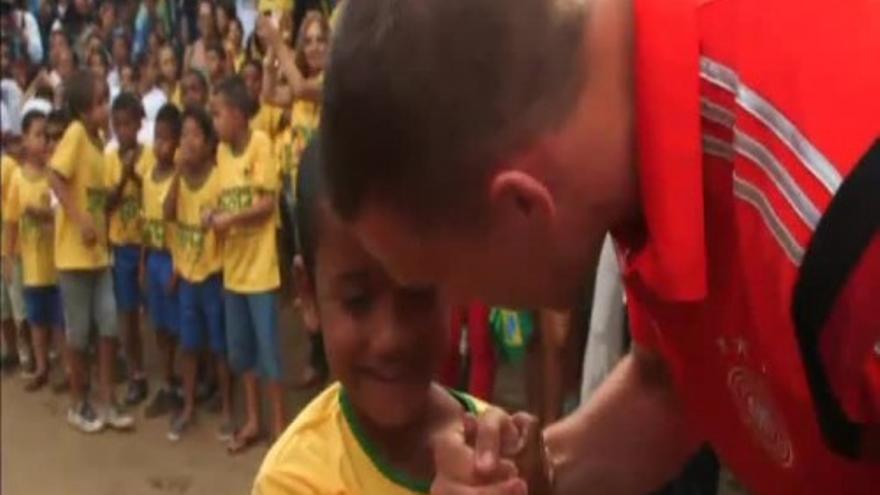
(144, 157)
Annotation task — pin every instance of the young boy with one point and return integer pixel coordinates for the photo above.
(268, 117)
(157, 269)
(198, 260)
(30, 224)
(216, 63)
(246, 224)
(82, 257)
(11, 301)
(125, 167)
(370, 432)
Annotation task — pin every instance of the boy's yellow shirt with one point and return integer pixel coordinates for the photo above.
(268, 120)
(157, 232)
(29, 188)
(125, 221)
(197, 252)
(8, 166)
(250, 256)
(275, 6)
(325, 451)
(80, 160)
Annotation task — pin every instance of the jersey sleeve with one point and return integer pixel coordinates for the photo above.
(13, 199)
(265, 169)
(69, 150)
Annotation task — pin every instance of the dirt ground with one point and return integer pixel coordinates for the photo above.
(41, 454)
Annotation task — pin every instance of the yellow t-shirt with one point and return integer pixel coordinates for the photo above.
(8, 166)
(268, 120)
(29, 188)
(80, 161)
(325, 451)
(275, 5)
(177, 97)
(250, 256)
(157, 232)
(197, 253)
(305, 117)
(125, 221)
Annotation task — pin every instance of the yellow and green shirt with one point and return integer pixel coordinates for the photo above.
(8, 166)
(79, 159)
(304, 120)
(157, 232)
(326, 451)
(250, 256)
(29, 188)
(125, 221)
(197, 252)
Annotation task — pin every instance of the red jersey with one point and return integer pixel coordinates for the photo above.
(750, 115)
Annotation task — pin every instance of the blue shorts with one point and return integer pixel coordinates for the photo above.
(201, 315)
(125, 277)
(163, 307)
(43, 307)
(252, 333)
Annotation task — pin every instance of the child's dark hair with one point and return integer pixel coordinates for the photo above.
(234, 90)
(252, 62)
(129, 103)
(170, 115)
(58, 117)
(310, 191)
(217, 48)
(30, 118)
(201, 117)
(79, 91)
(203, 79)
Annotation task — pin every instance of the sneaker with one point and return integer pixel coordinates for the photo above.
(179, 425)
(37, 382)
(160, 405)
(226, 431)
(118, 420)
(83, 418)
(137, 392)
(9, 362)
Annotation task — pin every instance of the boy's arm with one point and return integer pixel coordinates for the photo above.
(10, 237)
(169, 206)
(61, 188)
(42, 215)
(303, 88)
(256, 214)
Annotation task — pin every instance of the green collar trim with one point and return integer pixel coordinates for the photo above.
(397, 476)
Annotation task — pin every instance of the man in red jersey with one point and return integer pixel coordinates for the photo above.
(730, 146)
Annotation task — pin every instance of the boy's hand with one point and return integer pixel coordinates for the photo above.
(7, 270)
(267, 31)
(497, 455)
(172, 283)
(87, 231)
(128, 161)
(221, 222)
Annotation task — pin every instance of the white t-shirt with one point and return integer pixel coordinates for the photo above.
(153, 102)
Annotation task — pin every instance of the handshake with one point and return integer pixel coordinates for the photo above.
(493, 454)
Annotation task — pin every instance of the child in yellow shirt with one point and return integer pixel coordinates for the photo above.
(82, 257)
(156, 267)
(11, 301)
(30, 224)
(198, 261)
(125, 167)
(246, 221)
(370, 432)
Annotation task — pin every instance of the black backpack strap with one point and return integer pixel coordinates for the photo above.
(841, 238)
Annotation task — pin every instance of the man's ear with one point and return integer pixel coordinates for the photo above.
(513, 190)
(305, 290)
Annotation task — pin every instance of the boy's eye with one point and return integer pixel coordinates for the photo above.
(357, 301)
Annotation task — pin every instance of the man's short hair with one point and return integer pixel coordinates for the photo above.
(423, 98)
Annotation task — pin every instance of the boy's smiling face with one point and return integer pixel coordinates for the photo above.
(384, 342)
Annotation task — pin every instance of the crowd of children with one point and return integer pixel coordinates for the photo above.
(131, 183)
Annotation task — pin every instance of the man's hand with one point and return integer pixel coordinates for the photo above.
(267, 31)
(87, 231)
(492, 455)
